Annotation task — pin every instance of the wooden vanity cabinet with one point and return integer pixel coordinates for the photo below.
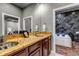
(50, 45)
(23, 52)
(46, 46)
(35, 49)
(36, 53)
(41, 48)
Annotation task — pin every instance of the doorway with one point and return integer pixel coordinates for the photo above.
(28, 23)
(63, 42)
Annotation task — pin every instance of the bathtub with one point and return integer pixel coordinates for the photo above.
(61, 40)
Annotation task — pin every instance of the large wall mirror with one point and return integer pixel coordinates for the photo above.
(28, 23)
(10, 24)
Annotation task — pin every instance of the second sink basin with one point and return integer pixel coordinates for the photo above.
(7, 45)
(39, 35)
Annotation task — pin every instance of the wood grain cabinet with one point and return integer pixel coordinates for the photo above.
(23, 52)
(36, 53)
(45, 47)
(50, 45)
(35, 49)
(41, 48)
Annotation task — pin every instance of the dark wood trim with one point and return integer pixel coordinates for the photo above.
(36, 51)
(17, 53)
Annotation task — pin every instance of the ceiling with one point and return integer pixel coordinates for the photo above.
(21, 5)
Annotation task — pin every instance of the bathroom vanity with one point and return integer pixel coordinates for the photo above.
(39, 45)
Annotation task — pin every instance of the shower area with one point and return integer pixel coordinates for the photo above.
(67, 31)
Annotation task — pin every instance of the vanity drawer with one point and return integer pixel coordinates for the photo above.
(45, 40)
(34, 47)
(23, 52)
(36, 53)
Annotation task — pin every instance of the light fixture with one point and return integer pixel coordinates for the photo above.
(9, 30)
(41, 8)
(73, 13)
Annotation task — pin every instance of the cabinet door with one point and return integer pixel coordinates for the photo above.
(46, 47)
(50, 46)
(23, 52)
(36, 53)
(34, 47)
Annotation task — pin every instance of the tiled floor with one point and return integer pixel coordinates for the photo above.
(74, 51)
(54, 54)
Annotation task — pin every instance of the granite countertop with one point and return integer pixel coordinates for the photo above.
(23, 43)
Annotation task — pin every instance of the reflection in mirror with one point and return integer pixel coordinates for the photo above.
(44, 27)
(36, 28)
(11, 24)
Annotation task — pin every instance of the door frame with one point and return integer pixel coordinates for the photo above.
(31, 22)
(54, 30)
(3, 24)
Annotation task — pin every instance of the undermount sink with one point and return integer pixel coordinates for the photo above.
(7, 45)
(39, 35)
